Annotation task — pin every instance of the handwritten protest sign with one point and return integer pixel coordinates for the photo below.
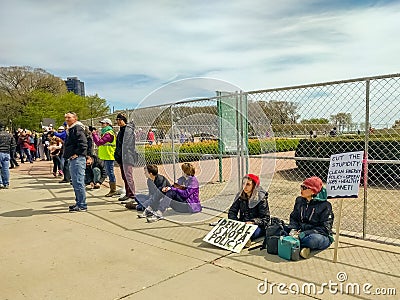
(230, 234)
(344, 175)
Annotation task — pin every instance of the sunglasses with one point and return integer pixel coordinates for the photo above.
(303, 187)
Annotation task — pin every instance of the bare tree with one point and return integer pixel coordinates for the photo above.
(342, 120)
(16, 82)
(280, 112)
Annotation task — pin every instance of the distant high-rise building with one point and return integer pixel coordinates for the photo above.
(75, 85)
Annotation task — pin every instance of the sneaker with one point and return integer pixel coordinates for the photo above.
(305, 252)
(145, 214)
(63, 181)
(154, 218)
(6, 186)
(97, 186)
(60, 173)
(124, 198)
(131, 205)
(1, 186)
(72, 206)
(77, 209)
(54, 174)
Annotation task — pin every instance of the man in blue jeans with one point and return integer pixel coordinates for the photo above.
(312, 218)
(75, 150)
(7, 144)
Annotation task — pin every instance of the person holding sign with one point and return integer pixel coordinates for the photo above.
(251, 205)
(312, 218)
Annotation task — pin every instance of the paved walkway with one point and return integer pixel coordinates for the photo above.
(108, 253)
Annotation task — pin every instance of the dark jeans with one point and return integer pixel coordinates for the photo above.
(56, 163)
(315, 241)
(47, 152)
(260, 232)
(27, 153)
(13, 161)
(67, 176)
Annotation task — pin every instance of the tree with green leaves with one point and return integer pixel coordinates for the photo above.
(27, 95)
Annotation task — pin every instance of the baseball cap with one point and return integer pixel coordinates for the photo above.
(106, 120)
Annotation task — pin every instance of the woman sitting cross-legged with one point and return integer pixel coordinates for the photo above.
(182, 196)
(251, 205)
(312, 218)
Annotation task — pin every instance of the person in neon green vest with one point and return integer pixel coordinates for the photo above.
(106, 143)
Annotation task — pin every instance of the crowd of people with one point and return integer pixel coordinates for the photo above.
(70, 148)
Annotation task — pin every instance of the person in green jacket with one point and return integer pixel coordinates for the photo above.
(106, 143)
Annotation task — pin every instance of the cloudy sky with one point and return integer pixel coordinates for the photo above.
(123, 50)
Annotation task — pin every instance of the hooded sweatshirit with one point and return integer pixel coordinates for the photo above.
(315, 216)
(76, 142)
(254, 209)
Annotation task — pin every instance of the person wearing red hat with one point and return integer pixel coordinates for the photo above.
(312, 218)
(251, 205)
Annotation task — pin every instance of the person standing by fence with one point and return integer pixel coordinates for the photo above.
(126, 155)
(106, 143)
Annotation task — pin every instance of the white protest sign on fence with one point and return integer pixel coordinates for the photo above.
(230, 234)
(344, 175)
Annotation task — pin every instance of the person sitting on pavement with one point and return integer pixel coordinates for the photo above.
(95, 173)
(251, 206)
(155, 183)
(182, 196)
(312, 218)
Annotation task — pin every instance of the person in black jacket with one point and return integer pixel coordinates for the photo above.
(75, 150)
(125, 155)
(155, 183)
(7, 143)
(95, 173)
(251, 205)
(312, 218)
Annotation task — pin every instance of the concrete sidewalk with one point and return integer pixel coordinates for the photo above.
(108, 253)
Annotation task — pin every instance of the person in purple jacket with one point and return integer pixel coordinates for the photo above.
(182, 196)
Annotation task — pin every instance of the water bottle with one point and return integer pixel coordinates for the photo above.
(295, 255)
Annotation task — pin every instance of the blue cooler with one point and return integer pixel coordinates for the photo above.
(289, 248)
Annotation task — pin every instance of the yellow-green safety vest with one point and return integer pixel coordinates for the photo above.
(106, 151)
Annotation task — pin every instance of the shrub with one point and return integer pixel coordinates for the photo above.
(162, 154)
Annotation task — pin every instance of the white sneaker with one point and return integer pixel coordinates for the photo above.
(146, 213)
(156, 216)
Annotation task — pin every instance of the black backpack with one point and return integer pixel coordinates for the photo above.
(273, 232)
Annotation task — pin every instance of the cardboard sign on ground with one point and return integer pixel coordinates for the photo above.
(230, 234)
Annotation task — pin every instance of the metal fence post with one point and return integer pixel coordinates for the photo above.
(238, 141)
(172, 142)
(220, 146)
(366, 144)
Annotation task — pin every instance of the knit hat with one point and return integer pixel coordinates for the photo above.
(254, 178)
(314, 184)
(122, 117)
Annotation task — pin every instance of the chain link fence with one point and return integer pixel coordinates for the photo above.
(284, 135)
